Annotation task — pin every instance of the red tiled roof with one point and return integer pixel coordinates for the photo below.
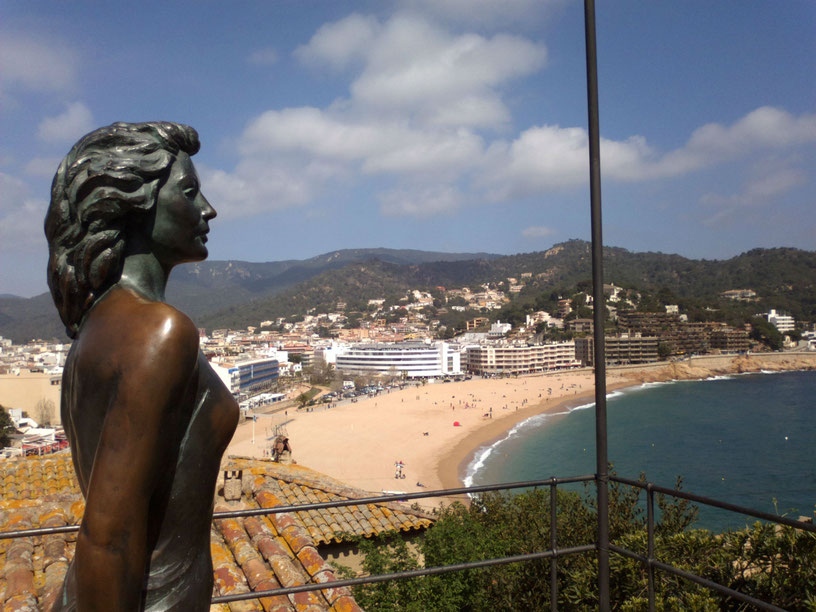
(250, 554)
(33, 479)
(267, 484)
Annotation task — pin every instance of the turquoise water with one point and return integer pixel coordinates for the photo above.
(749, 440)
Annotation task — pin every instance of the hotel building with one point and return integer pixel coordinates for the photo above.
(517, 359)
(620, 350)
(409, 359)
(250, 376)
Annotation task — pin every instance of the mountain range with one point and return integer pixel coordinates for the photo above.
(236, 293)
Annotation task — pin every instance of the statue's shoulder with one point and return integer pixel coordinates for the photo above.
(134, 324)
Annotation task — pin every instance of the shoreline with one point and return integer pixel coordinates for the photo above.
(359, 443)
(453, 467)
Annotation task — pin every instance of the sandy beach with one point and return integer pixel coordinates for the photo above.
(360, 442)
(433, 429)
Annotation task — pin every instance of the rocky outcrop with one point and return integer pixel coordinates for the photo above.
(706, 366)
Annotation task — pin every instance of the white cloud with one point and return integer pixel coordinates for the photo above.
(420, 201)
(309, 130)
(340, 43)
(69, 126)
(12, 192)
(378, 146)
(43, 167)
(21, 216)
(415, 69)
(418, 68)
(761, 189)
(418, 96)
(550, 157)
(765, 127)
(421, 103)
(428, 152)
(545, 158)
(540, 159)
(35, 65)
(22, 228)
(537, 231)
(263, 57)
(263, 185)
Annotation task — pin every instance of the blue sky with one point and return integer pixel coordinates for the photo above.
(449, 125)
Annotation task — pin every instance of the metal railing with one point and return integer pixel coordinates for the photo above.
(652, 563)
(553, 553)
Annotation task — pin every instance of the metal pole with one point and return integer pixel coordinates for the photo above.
(601, 460)
(650, 535)
(553, 546)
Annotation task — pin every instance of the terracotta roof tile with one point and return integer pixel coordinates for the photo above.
(34, 477)
(290, 484)
(259, 576)
(251, 554)
(32, 569)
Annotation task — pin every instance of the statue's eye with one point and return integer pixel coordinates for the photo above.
(191, 191)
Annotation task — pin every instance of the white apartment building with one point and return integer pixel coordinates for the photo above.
(249, 376)
(514, 359)
(409, 359)
(543, 316)
(499, 329)
(782, 322)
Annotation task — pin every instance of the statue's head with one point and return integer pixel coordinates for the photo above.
(105, 189)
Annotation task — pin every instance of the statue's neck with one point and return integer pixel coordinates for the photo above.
(143, 274)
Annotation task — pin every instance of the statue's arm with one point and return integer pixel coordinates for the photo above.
(155, 371)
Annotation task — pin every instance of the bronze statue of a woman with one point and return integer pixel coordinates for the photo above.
(147, 418)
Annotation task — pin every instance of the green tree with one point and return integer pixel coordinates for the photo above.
(445, 333)
(6, 427)
(44, 411)
(762, 561)
(767, 334)
(320, 372)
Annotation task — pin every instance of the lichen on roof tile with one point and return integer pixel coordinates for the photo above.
(248, 555)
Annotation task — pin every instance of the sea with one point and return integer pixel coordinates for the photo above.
(746, 439)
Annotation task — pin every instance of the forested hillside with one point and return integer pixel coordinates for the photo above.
(236, 294)
(783, 278)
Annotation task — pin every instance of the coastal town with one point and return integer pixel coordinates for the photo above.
(323, 358)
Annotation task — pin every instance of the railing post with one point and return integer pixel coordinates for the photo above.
(599, 307)
(553, 546)
(650, 527)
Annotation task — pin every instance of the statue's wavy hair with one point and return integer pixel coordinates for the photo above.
(109, 176)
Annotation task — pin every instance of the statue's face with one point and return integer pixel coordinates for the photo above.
(182, 217)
